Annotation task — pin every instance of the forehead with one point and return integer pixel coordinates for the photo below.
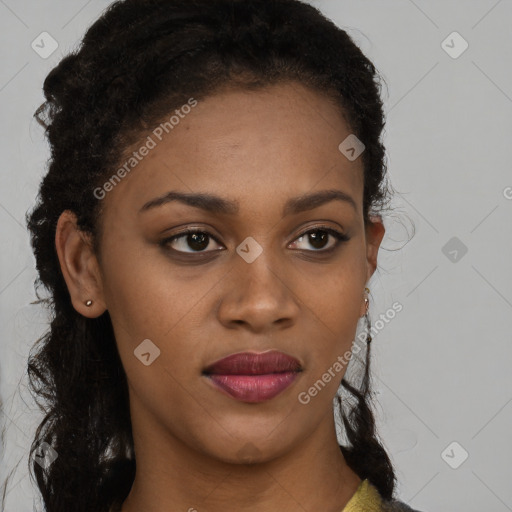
(250, 146)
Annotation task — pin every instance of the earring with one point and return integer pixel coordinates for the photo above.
(368, 323)
(88, 303)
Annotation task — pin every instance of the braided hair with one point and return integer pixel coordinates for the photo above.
(137, 62)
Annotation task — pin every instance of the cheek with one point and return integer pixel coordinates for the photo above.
(148, 300)
(332, 305)
(142, 295)
(333, 299)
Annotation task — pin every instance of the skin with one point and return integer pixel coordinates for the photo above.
(196, 448)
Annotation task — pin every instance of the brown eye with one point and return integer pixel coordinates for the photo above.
(318, 238)
(194, 240)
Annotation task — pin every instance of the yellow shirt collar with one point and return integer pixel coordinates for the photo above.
(365, 499)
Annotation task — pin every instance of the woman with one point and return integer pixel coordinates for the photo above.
(207, 229)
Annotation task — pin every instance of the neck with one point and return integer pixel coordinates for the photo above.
(173, 475)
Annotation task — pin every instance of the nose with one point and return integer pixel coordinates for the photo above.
(259, 296)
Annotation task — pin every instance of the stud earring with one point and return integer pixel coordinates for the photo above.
(88, 303)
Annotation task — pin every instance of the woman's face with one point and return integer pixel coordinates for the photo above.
(249, 281)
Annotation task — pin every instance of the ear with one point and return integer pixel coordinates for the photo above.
(375, 231)
(79, 266)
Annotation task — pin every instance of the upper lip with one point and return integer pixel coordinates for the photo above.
(254, 363)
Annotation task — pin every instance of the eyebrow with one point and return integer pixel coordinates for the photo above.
(219, 205)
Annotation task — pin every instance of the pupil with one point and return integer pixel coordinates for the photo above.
(314, 239)
(199, 241)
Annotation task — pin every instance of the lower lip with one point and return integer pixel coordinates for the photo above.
(253, 388)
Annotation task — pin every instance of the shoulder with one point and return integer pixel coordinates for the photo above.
(396, 506)
(384, 505)
(368, 498)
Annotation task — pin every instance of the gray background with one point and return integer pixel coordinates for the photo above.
(442, 365)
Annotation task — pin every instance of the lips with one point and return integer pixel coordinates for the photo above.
(253, 377)
(251, 363)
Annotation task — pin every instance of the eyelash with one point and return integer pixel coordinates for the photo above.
(339, 237)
